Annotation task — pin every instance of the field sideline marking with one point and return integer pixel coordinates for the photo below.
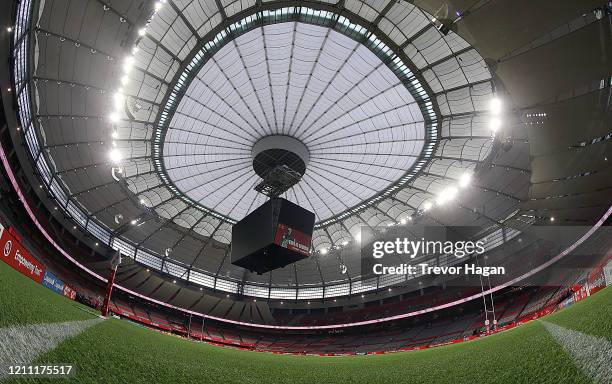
(22, 344)
(590, 353)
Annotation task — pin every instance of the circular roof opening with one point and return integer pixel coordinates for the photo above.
(277, 151)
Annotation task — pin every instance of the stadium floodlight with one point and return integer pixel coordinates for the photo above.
(495, 124)
(128, 64)
(465, 180)
(447, 194)
(323, 251)
(142, 31)
(427, 206)
(115, 155)
(403, 221)
(495, 106)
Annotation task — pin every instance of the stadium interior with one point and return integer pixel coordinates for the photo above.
(138, 138)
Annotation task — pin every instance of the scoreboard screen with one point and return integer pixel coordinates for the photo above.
(273, 236)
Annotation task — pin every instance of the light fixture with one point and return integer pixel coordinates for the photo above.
(403, 221)
(158, 6)
(552, 218)
(97, 244)
(447, 194)
(114, 134)
(345, 243)
(114, 117)
(147, 269)
(465, 179)
(427, 206)
(115, 155)
(134, 222)
(118, 98)
(323, 251)
(9, 29)
(495, 124)
(142, 31)
(200, 288)
(128, 63)
(174, 281)
(495, 106)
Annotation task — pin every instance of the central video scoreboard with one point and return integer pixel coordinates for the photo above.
(273, 236)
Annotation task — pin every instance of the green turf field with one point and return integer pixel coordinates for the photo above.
(23, 301)
(120, 352)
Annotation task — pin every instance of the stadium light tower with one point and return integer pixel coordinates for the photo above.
(115, 261)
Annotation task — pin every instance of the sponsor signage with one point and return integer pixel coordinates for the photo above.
(292, 239)
(69, 292)
(53, 283)
(15, 255)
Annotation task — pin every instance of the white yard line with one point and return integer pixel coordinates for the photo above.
(592, 354)
(22, 344)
